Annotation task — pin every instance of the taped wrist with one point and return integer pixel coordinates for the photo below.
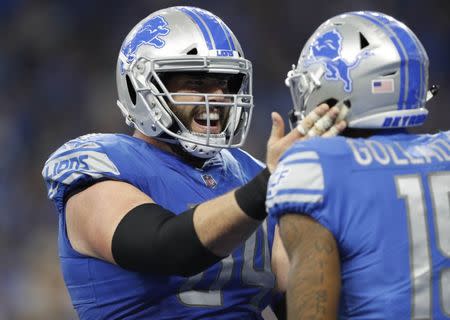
(251, 197)
(151, 239)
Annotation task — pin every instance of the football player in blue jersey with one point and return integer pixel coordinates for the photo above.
(365, 218)
(170, 223)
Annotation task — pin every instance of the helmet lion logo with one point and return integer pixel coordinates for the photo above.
(326, 49)
(148, 33)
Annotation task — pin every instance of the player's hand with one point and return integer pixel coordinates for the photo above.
(319, 122)
(323, 121)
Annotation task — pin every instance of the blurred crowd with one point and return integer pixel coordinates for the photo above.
(57, 81)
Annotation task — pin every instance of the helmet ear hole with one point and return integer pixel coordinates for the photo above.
(390, 73)
(363, 41)
(348, 103)
(131, 90)
(331, 102)
(192, 52)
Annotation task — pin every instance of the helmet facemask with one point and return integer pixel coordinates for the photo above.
(232, 109)
(302, 84)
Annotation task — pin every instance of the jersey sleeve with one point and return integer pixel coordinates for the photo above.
(76, 163)
(297, 185)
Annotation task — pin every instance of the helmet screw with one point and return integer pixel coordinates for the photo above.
(140, 67)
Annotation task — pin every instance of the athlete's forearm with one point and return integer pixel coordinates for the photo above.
(225, 222)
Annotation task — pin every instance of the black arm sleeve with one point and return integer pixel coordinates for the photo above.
(278, 306)
(151, 239)
(251, 197)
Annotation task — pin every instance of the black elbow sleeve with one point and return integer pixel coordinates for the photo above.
(151, 239)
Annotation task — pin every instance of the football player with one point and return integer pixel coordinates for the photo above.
(365, 218)
(170, 223)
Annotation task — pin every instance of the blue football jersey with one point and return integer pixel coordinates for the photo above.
(238, 287)
(386, 201)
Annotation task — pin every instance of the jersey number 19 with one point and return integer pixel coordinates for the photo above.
(411, 189)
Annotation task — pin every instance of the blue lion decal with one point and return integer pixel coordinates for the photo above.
(327, 50)
(148, 33)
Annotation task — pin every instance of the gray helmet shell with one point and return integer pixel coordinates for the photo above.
(369, 61)
(182, 39)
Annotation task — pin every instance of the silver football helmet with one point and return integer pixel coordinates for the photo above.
(370, 62)
(185, 40)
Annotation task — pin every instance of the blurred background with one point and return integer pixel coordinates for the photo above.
(57, 81)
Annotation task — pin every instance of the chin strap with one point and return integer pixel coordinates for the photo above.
(201, 151)
(188, 157)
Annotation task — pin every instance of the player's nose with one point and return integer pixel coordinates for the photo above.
(216, 94)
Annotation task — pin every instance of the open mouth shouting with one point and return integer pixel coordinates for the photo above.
(199, 121)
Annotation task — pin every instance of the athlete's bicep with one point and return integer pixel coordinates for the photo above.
(93, 215)
(314, 277)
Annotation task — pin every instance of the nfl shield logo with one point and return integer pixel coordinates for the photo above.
(209, 181)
